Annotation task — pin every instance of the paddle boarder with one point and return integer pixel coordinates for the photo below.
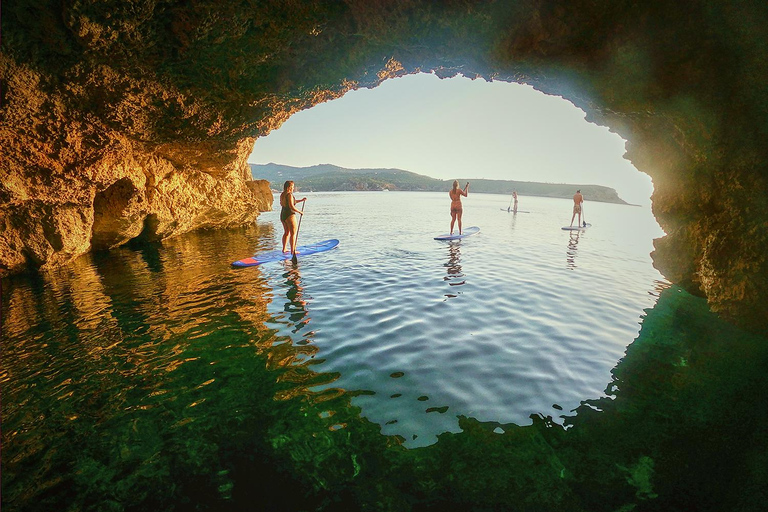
(578, 199)
(514, 198)
(288, 215)
(456, 209)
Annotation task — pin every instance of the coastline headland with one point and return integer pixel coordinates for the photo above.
(332, 178)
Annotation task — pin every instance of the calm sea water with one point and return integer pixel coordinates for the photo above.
(522, 318)
(138, 366)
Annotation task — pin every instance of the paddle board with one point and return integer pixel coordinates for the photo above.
(467, 232)
(575, 228)
(512, 211)
(304, 250)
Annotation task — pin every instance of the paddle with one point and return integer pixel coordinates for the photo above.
(294, 259)
(583, 217)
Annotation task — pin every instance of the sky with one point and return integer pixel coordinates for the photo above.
(457, 128)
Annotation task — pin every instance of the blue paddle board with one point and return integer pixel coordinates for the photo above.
(466, 232)
(575, 228)
(303, 250)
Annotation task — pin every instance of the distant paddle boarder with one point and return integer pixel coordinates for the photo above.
(288, 215)
(514, 198)
(578, 199)
(456, 208)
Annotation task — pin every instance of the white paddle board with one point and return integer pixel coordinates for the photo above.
(576, 228)
(455, 236)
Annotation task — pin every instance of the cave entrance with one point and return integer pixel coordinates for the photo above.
(521, 319)
(457, 128)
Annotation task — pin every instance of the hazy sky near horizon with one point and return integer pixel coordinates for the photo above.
(457, 128)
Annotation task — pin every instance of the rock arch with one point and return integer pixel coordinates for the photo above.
(172, 97)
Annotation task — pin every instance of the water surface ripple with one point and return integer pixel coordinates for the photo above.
(520, 319)
(129, 345)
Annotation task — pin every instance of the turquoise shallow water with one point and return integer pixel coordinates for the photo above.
(505, 369)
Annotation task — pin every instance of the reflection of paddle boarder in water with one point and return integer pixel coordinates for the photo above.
(456, 209)
(453, 267)
(570, 254)
(288, 215)
(296, 307)
(578, 199)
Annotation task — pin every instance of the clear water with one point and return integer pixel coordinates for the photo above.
(158, 377)
(522, 318)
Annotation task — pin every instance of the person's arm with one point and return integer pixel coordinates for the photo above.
(293, 205)
(466, 189)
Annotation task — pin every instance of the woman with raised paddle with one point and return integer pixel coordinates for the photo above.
(456, 209)
(288, 215)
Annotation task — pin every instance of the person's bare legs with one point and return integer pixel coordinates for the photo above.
(458, 216)
(294, 233)
(453, 220)
(573, 217)
(286, 234)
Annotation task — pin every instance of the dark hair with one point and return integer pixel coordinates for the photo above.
(286, 185)
(578, 191)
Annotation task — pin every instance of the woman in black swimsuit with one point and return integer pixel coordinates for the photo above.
(287, 215)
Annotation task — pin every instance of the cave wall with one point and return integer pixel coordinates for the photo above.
(135, 118)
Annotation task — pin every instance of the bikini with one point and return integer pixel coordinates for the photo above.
(456, 204)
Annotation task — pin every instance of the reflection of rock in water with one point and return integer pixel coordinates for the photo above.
(453, 268)
(675, 410)
(203, 406)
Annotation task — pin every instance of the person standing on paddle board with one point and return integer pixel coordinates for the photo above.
(456, 209)
(578, 199)
(288, 215)
(514, 198)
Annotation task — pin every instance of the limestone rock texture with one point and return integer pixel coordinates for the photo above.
(135, 118)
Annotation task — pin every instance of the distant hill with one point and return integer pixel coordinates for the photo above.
(327, 177)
